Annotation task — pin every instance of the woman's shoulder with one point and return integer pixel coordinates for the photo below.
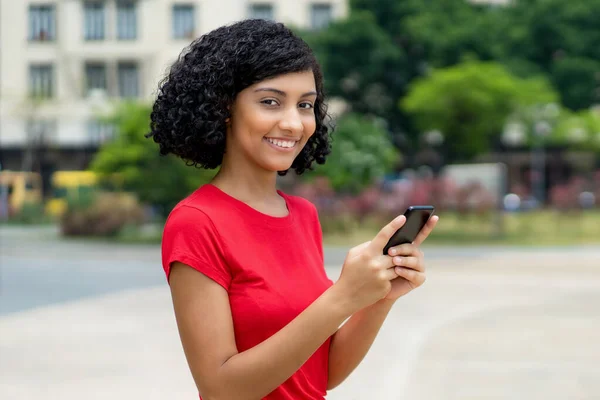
(300, 204)
(196, 208)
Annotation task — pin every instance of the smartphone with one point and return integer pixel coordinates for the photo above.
(416, 218)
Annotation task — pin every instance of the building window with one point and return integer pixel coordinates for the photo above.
(184, 25)
(261, 11)
(126, 20)
(95, 77)
(320, 15)
(94, 24)
(41, 81)
(41, 131)
(128, 75)
(42, 22)
(99, 132)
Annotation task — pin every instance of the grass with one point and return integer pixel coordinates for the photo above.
(539, 228)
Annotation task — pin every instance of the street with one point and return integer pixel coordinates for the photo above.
(93, 320)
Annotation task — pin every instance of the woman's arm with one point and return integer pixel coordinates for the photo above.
(353, 340)
(205, 325)
(206, 329)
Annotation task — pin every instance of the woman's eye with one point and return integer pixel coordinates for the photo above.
(269, 102)
(306, 105)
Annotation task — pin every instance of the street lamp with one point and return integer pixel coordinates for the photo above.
(434, 140)
(541, 130)
(514, 134)
(540, 119)
(434, 137)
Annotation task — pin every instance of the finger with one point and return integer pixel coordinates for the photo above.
(356, 250)
(413, 263)
(426, 230)
(413, 277)
(406, 249)
(385, 234)
(389, 274)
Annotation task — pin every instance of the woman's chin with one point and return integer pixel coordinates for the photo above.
(276, 167)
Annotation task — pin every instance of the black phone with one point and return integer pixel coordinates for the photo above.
(416, 218)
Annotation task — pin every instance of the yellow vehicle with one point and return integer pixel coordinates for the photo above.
(69, 185)
(21, 188)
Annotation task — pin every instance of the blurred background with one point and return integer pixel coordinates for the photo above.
(489, 110)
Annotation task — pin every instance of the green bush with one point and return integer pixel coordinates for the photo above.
(105, 215)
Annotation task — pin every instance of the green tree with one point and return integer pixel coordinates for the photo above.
(559, 38)
(399, 41)
(370, 58)
(362, 66)
(161, 181)
(470, 103)
(362, 153)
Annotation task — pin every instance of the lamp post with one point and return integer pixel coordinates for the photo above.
(434, 140)
(542, 118)
(514, 134)
(541, 130)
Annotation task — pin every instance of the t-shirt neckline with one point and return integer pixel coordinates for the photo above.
(253, 214)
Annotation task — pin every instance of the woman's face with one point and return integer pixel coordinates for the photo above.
(272, 120)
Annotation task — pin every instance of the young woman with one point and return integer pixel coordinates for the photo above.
(256, 313)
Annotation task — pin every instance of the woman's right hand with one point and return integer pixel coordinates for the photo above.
(367, 273)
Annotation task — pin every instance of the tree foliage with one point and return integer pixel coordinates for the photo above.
(361, 154)
(560, 38)
(362, 64)
(470, 102)
(158, 180)
(371, 58)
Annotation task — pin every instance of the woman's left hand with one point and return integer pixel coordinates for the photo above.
(409, 263)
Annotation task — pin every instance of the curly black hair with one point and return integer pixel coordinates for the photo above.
(189, 115)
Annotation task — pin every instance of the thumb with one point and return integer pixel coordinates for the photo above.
(386, 233)
(356, 250)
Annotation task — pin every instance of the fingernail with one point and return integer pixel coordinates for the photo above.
(393, 252)
(398, 260)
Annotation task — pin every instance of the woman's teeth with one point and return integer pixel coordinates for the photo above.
(282, 143)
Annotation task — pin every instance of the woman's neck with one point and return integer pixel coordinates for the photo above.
(257, 188)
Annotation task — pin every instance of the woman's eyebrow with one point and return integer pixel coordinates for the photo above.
(282, 93)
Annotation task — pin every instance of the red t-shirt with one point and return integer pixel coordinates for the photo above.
(272, 269)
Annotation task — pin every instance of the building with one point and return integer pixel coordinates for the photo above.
(60, 59)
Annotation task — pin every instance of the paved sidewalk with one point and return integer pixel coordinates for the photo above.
(518, 325)
(489, 331)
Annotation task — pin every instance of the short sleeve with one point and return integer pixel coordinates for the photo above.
(190, 237)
